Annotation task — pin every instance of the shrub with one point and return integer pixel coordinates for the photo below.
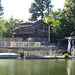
(21, 53)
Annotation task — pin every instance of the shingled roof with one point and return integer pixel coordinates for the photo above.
(32, 24)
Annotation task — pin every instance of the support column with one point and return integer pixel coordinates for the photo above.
(49, 34)
(73, 44)
(69, 45)
(73, 48)
(24, 54)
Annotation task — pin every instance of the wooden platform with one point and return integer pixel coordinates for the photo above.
(37, 57)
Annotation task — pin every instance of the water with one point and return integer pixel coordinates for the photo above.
(37, 67)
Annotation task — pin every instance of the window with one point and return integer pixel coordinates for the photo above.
(25, 29)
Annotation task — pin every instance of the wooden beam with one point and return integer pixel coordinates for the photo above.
(70, 37)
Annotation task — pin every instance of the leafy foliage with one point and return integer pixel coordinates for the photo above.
(21, 53)
(5, 27)
(69, 9)
(62, 21)
(1, 8)
(40, 8)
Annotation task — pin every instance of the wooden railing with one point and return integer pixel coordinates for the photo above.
(19, 42)
(37, 39)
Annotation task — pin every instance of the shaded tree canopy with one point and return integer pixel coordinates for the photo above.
(40, 8)
(1, 8)
(62, 22)
(69, 10)
(5, 27)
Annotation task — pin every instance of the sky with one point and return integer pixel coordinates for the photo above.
(20, 8)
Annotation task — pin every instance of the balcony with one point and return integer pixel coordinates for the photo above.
(22, 33)
(37, 39)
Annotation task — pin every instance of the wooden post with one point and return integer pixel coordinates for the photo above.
(73, 44)
(11, 25)
(49, 34)
(69, 45)
(73, 48)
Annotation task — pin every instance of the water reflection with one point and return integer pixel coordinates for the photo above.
(68, 68)
(37, 67)
(71, 67)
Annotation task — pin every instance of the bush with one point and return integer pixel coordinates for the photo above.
(66, 55)
(21, 53)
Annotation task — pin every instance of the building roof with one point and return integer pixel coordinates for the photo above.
(27, 23)
(38, 23)
(31, 24)
(72, 37)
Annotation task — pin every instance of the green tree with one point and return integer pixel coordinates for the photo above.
(63, 21)
(2, 28)
(60, 27)
(56, 14)
(66, 27)
(1, 8)
(16, 22)
(69, 10)
(5, 27)
(40, 8)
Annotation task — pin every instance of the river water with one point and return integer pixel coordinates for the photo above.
(37, 67)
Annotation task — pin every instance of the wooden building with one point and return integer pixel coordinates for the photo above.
(32, 29)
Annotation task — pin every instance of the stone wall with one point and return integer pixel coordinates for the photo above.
(19, 42)
(73, 52)
(40, 53)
